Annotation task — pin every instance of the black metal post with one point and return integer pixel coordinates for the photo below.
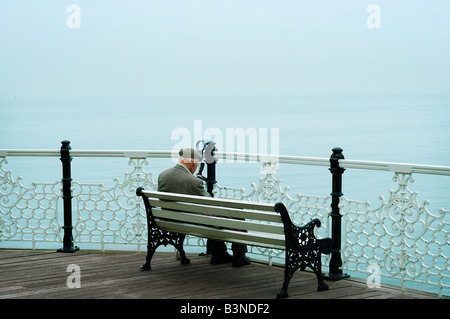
(68, 246)
(208, 150)
(336, 171)
(211, 177)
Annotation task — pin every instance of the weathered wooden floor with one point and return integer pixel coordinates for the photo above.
(40, 274)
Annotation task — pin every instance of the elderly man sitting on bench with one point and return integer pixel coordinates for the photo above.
(180, 179)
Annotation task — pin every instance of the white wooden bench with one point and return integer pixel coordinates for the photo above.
(172, 216)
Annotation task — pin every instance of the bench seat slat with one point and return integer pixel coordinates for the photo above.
(209, 201)
(218, 221)
(218, 211)
(249, 238)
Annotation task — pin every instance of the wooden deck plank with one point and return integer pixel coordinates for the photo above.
(40, 274)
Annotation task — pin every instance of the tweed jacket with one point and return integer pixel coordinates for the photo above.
(179, 180)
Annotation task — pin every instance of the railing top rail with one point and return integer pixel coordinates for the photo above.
(30, 153)
(405, 168)
(287, 159)
(90, 153)
(250, 157)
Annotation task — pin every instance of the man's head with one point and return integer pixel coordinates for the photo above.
(190, 158)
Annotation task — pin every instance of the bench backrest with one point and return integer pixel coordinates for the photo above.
(217, 218)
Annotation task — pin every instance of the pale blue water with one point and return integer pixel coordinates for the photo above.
(408, 128)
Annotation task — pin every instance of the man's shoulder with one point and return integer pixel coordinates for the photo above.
(178, 179)
(174, 169)
(178, 172)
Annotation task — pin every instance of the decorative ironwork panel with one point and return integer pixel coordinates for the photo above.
(401, 236)
(114, 215)
(28, 214)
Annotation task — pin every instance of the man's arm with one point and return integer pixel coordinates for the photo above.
(198, 187)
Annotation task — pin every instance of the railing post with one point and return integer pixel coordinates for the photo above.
(336, 171)
(68, 245)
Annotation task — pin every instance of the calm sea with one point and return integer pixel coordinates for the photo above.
(407, 128)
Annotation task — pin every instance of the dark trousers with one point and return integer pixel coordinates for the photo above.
(219, 248)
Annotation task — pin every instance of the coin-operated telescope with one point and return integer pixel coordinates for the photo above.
(208, 149)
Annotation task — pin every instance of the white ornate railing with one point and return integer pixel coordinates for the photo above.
(401, 236)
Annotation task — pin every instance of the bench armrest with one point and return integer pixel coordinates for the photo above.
(139, 191)
(302, 238)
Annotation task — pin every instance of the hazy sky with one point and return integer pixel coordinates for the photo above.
(175, 47)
